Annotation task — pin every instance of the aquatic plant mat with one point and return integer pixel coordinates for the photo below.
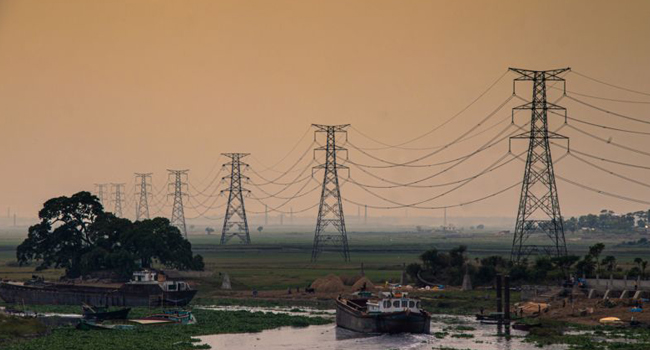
(164, 337)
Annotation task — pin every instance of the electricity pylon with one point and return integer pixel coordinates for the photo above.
(539, 207)
(235, 211)
(117, 198)
(180, 191)
(330, 210)
(142, 192)
(101, 194)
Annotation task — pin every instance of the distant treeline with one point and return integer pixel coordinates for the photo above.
(609, 221)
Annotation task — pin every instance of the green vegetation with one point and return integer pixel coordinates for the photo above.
(588, 337)
(16, 328)
(167, 337)
(77, 235)
(608, 221)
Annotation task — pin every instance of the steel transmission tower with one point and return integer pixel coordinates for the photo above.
(142, 192)
(539, 208)
(180, 191)
(330, 210)
(117, 199)
(235, 211)
(101, 193)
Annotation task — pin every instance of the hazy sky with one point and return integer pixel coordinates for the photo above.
(92, 91)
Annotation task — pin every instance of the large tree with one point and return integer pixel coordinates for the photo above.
(76, 234)
(64, 233)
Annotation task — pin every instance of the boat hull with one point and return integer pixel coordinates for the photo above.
(394, 322)
(128, 295)
(99, 316)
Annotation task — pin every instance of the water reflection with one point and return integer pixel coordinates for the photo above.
(445, 333)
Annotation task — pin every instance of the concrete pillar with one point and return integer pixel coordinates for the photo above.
(623, 294)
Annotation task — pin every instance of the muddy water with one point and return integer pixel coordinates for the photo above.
(293, 311)
(472, 335)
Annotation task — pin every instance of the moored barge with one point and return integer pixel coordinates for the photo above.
(389, 313)
(147, 288)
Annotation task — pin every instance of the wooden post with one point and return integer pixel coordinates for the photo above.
(506, 300)
(499, 301)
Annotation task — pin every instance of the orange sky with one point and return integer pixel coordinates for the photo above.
(92, 91)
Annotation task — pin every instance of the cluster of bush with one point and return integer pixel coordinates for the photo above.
(450, 267)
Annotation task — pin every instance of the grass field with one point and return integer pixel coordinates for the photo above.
(278, 260)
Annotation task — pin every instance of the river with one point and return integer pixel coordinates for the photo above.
(448, 332)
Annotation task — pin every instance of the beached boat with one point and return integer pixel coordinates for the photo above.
(100, 313)
(168, 316)
(87, 325)
(388, 313)
(147, 288)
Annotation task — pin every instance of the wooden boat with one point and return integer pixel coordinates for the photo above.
(99, 314)
(392, 313)
(146, 288)
(168, 316)
(524, 326)
(87, 325)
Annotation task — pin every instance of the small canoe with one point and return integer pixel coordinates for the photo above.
(102, 313)
(87, 325)
(168, 316)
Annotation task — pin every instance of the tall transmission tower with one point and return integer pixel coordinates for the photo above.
(142, 193)
(539, 208)
(235, 211)
(117, 190)
(180, 191)
(101, 194)
(330, 210)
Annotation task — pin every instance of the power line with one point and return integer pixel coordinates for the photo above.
(603, 98)
(274, 181)
(608, 111)
(431, 185)
(613, 173)
(455, 141)
(603, 126)
(609, 142)
(439, 126)
(271, 168)
(492, 195)
(574, 150)
(490, 168)
(485, 146)
(611, 85)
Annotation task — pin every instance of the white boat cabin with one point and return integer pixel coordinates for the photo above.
(393, 302)
(152, 277)
(174, 286)
(144, 276)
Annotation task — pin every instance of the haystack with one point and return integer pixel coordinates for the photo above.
(358, 285)
(328, 284)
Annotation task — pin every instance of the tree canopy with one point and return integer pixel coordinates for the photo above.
(76, 234)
